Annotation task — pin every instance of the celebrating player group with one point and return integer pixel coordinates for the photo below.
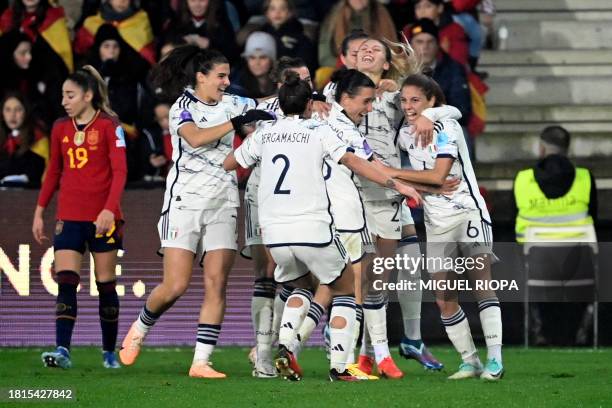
(327, 194)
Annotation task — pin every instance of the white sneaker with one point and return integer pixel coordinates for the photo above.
(494, 371)
(467, 370)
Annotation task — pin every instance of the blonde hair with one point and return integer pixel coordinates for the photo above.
(404, 60)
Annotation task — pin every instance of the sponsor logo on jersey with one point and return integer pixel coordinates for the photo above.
(93, 137)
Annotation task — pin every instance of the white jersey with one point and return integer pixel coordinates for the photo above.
(269, 105)
(443, 213)
(293, 203)
(346, 205)
(197, 173)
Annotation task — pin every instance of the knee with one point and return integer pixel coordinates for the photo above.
(216, 284)
(176, 289)
(447, 307)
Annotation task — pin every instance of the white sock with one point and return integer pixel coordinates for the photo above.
(491, 321)
(293, 317)
(366, 343)
(341, 339)
(358, 324)
(146, 320)
(410, 300)
(208, 334)
(458, 331)
(375, 314)
(279, 305)
(311, 321)
(262, 310)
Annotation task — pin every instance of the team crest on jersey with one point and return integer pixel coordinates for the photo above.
(79, 138)
(59, 227)
(93, 137)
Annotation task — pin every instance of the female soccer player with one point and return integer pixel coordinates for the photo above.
(456, 226)
(88, 167)
(297, 225)
(200, 205)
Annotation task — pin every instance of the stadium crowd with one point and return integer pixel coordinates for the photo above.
(43, 41)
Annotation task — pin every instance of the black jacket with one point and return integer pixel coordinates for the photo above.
(451, 77)
(292, 42)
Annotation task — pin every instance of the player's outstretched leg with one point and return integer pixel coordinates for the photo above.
(66, 313)
(412, 346)
(262, 310)
(295, 311)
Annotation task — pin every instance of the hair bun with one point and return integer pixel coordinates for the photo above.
(291, 78)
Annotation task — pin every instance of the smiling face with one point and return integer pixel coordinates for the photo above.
(13, 113)
(74, 100)
(23, 55)
(358, 105)
(211, 87)
(278, 12)
(414, 102)
(372, 58)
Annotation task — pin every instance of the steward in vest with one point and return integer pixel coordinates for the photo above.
(554, 193)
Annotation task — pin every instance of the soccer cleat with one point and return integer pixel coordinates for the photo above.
(58, 358)
(110, 360)
(264, 369)
(287, 365)
(420, 354)
(204, 370)
(345, 375)
(388, 369)
(493, 371)
(353, 369)
(467, 370)
(130, 348)
(365, 364)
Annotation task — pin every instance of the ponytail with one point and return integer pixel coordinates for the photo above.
(294, 94)
(179, 68)
(89, 79)
(402, 59)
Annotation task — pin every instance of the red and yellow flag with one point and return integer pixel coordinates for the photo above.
(136, 31)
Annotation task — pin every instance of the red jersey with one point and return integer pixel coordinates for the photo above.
(88, 165)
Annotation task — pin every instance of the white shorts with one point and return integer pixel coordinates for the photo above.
(252, 229)
(294, 262)
(406, 218)
(468, 239)
(198, 230)
(384, 217)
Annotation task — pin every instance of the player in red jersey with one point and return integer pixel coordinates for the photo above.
(88, 166)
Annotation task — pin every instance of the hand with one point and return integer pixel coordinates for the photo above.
(38, 227)
(449, 186)
(157, 160)
(423, 129)
(250, 116)
(321, 108)
(409, 192)
(386, 85)
(104, 222)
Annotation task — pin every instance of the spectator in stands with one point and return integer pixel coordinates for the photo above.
(452, 37)
(156, 145)
(448, 73)
(24, 147)
(348, 15)
(288, 31)
(46, 28)
(466, 14)
(555, 193)
(254, 80)
(205, 23)
(131, 22)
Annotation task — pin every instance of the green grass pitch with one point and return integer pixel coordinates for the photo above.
(534, 378)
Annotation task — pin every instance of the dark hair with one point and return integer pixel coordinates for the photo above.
(212, 13)
(428, 86)
(294, 94)
(282, 66)
(88, 79)
(178, 70)
(350, 81)
(19, 12)
(353, 35)
(26, 131)
(556, 136)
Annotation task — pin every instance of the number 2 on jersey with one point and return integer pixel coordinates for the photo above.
(277, 189)
(80, 154)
